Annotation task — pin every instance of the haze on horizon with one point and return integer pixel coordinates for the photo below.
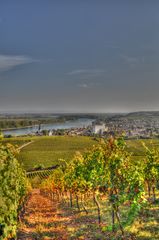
(79, 56)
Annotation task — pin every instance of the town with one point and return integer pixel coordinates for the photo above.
(132, 126)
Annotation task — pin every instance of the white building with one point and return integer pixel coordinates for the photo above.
(98, 128)
(50, 133)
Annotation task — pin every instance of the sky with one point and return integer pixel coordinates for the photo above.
(79, 55)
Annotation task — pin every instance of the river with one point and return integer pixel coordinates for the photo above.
(80, 122)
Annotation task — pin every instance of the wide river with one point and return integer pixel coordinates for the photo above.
(81, 122)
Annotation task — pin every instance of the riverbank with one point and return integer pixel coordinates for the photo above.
(34, 123)
(18, 128)
(77, 123)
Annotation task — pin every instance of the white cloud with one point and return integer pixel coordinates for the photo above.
(86, 71)
(83, 85)
(77, 72)
(89, 85)
(8, 62)
(131, 60)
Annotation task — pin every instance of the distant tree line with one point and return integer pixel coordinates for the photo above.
(18, 123)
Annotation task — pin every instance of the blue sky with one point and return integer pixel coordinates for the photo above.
(79, 56)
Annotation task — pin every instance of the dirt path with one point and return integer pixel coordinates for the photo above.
(42, 219)
(25, 144)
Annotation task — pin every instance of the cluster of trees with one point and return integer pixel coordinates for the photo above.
(12, 190)
(107, 169)
(15, 123)
(18, 122)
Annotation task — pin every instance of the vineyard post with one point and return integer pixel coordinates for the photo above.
(149, 188)
(77, 201)
(98, 206)
(154, 193)
(83, 205)
(71, 203)
(112, 209)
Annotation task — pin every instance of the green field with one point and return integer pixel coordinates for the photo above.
(137, 150)
(17, 141)
(48, 150)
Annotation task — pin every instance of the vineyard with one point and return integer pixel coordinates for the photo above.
(42, 174)
(108, 189)
(108, 176)
(48, 150)
(13, 184)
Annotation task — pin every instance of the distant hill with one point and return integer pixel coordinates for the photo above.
(143, 114)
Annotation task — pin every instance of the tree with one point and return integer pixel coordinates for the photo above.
(151, 170)
(12, 189)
